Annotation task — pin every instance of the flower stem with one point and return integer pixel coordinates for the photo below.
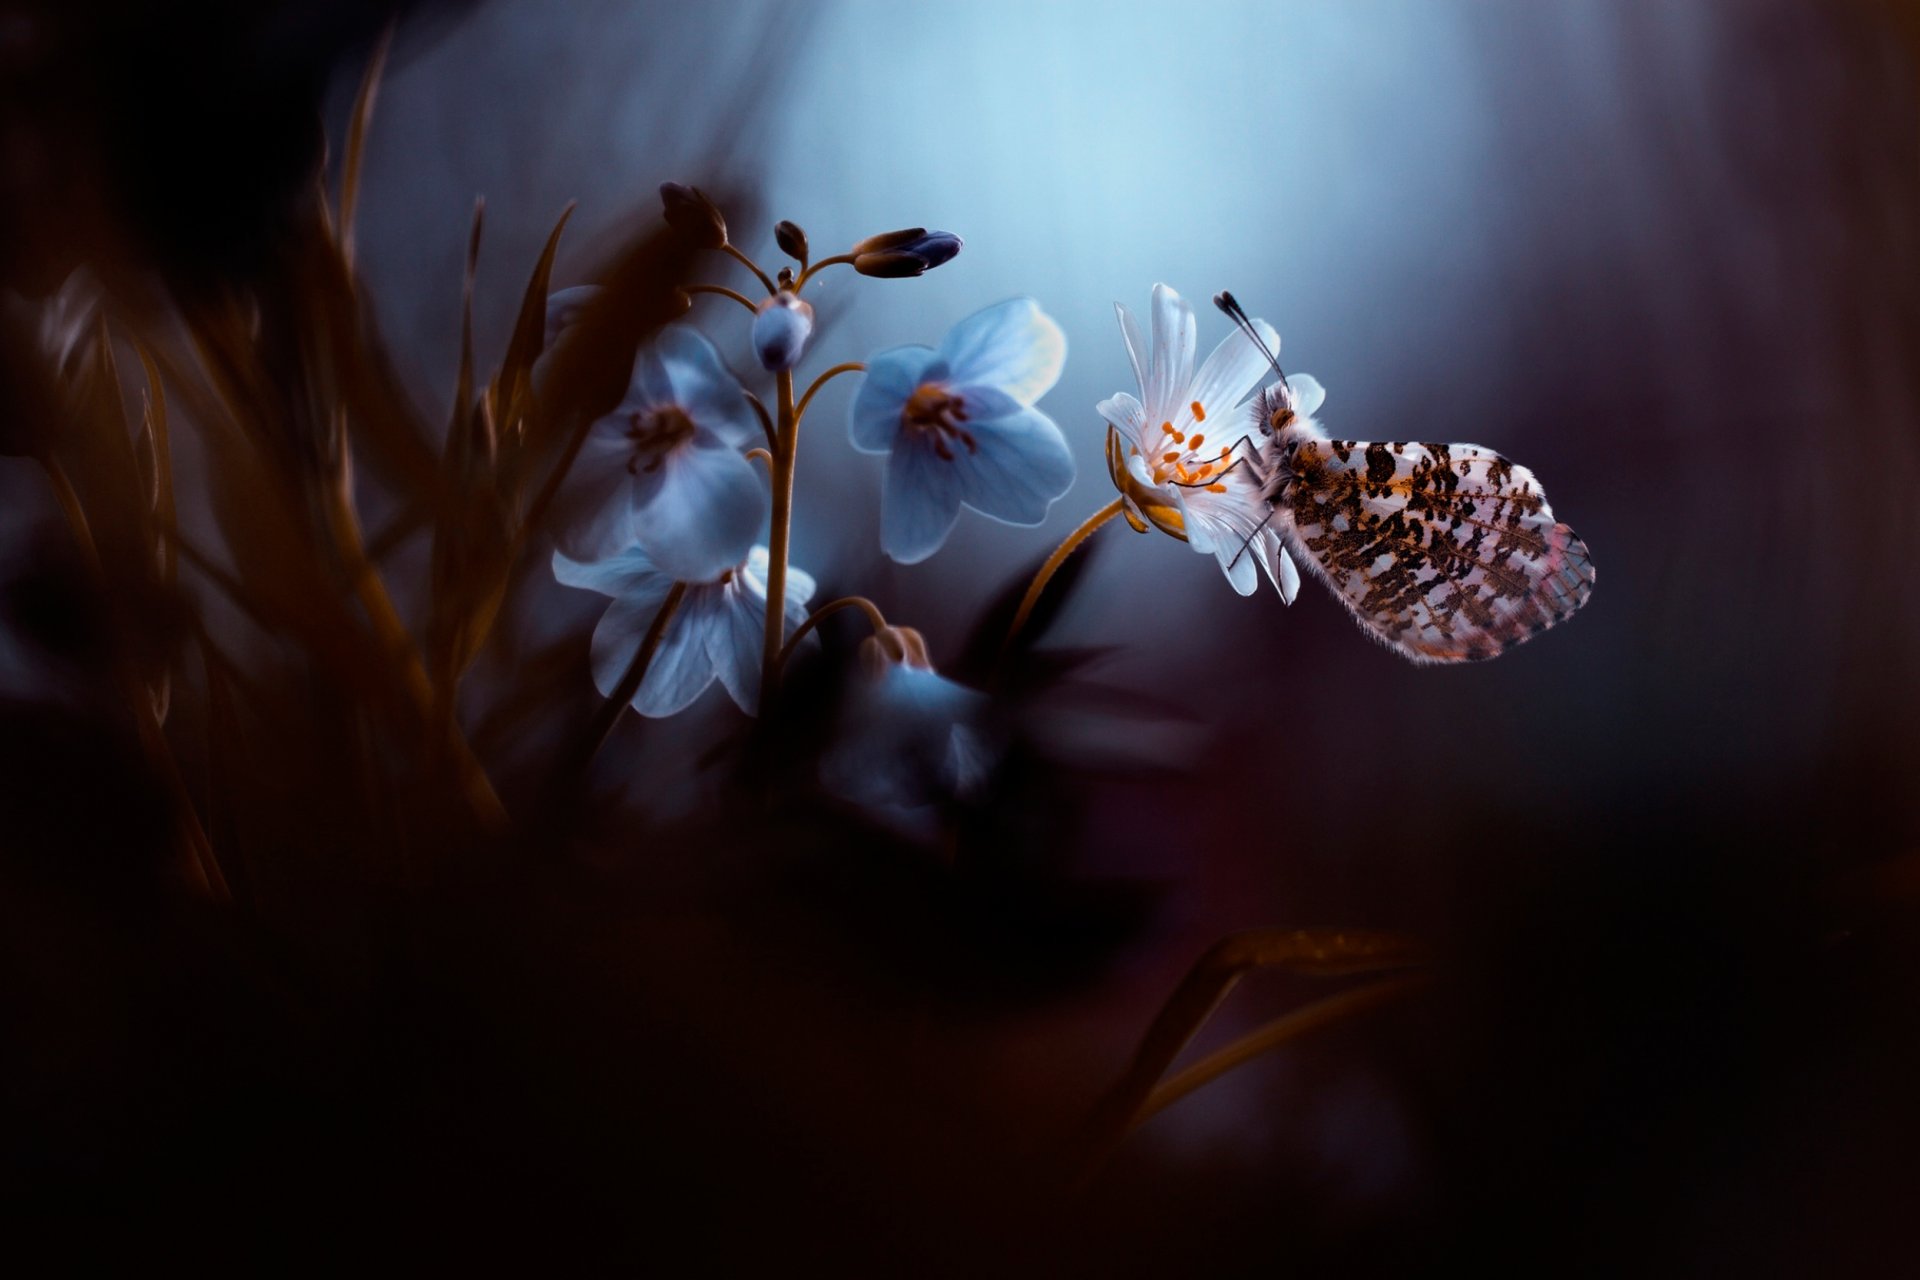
(786, 441)
(1315, 952)
(1052, 566)
(722, 291)
(636, 672)
(811, 271)
(851, 366)
(861, 603)
(1310, 1017)
(750, 265)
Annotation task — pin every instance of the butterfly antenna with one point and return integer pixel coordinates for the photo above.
(1236, 313)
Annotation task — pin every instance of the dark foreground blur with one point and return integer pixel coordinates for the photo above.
(282, 985)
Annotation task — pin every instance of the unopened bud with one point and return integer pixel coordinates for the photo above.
(781, 328)
(690, 212)
(899, 254)
(792, 241)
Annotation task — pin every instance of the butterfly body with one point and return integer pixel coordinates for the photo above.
(1443, 552)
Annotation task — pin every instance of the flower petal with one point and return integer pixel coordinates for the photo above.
(737, 646)
(682, 666)
(1280, 567)
(919, 500)
(701, 511)
(1232, 372)
(627, 576)
(1126, 413)
(892, 377)
(1236, 562)
(702, 385)
(594, 505)
(1173, 340)
(679, 669)
(1308, 395)
(1019, 464)
(565, 307)
(1013, 345)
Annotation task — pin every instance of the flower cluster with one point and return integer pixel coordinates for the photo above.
(669, 518)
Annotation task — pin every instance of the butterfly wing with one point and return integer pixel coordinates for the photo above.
(1444, 552)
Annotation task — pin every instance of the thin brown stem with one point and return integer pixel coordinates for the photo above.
(636, 673)
(1052, 566)
(813, 270)
(766, 419)
(786, 440)
(851, 366)
(722, 291)
(1317, 952)
(1273, 1035)
(733, 251)
(861, 603)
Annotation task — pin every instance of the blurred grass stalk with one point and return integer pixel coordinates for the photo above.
(292, 395)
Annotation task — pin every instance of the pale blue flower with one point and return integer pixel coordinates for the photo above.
(960, 428)
(907, 737)
(664, 470)
(719, 630)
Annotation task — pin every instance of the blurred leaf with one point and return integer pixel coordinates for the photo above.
(357, 141)
(514, 383)
(984, 644)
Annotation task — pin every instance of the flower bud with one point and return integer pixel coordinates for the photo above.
(792, 241)
(693, 215)
(899, 254)
(781, 328)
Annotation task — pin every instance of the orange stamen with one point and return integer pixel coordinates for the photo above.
(1198, 439)
(1216, 488)
(1199, 415)
(1171, 455)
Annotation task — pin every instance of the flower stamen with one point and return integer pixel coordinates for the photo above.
(938, 413)
(654, 433)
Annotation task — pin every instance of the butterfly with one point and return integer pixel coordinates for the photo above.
(1442, 552)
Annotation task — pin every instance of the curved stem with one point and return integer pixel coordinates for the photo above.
(723, 292)
(1274, 1034)
(786, 438)
(1052, 566)
(760, 455)
(851, 366)
(1313, 952)
(808, 274)
(750, 265)
(766, 419)
(861, 603)
(636, 672)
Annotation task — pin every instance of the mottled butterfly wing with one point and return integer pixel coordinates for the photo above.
(1445, 552)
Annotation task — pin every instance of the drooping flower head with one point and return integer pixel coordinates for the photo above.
(959, 427)
(664, 470)
(1178, 453)
(717, 632)
(908, 737)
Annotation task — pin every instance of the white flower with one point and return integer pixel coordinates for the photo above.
(718, 630)
(664, 470)
(1181, 460)
(960, 428)
(908, 737)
